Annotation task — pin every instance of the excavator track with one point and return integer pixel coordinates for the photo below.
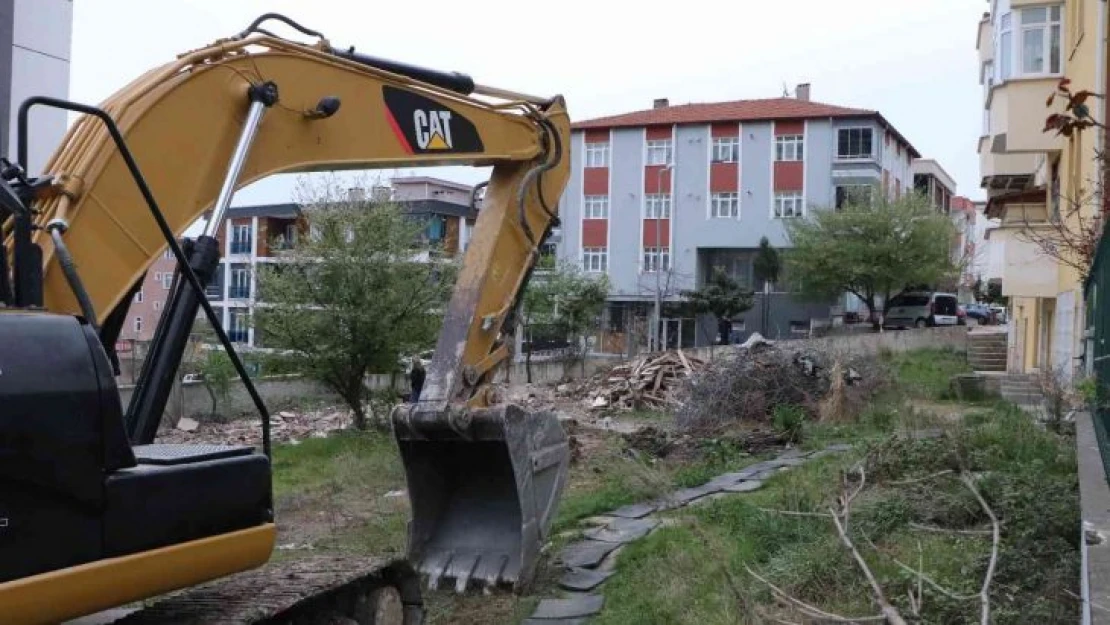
(323, 590)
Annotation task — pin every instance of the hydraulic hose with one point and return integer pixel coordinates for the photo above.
(69, 268)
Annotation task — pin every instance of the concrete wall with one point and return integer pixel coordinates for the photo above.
(192, 399)
(626, 199)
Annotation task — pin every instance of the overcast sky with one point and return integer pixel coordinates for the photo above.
(914, 62)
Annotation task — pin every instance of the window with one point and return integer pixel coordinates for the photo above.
(597, 207)
(726, 149)
(724, 205)
(788, 204)
(139, 297)
(138, 324)
(854, 143)
(241, 239)
(597, 155)
(657, 206)
(240, 282)
(1040, 40)
(1005, 46)
(656, 259)
(595, 258)
(659, 152)
(238, 331)
(165, 278)
(853, 194)
(158, 305)
(788, 148)
(168, 254)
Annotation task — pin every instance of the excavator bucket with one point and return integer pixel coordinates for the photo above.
(483, 494)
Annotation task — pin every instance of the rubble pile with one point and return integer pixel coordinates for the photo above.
(761, 374)
(285, 427)
(643, 383)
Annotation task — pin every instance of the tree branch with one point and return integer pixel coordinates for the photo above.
(945, 530)
(890, 613)
(808, 609)
(984, 592)
(921, 479)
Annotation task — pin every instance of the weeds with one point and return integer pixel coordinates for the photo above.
(914, 511)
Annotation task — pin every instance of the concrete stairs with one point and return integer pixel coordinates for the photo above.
(1021, 389)
(986, 351)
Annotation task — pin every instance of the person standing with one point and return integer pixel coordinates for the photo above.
(416, 379)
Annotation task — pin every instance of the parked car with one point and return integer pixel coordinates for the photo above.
(981, 313)
(920, 309)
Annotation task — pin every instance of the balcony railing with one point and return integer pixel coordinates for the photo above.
(239, 292)
(240, 246)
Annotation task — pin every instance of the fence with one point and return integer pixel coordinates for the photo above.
(1097, 352)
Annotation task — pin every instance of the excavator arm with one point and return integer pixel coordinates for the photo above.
(221, 117)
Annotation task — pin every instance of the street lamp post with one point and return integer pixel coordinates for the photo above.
(659, 252)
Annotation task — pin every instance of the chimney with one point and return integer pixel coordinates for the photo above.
(802, 92)
(356, 194)
(660, 103)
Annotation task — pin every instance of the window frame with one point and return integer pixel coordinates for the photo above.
(655, 145)
(870, 156)
(137, 324)
(1046, 28)
(655, 259)
(600, 254)
(237, 239)
(655, 203)
(233, 282)
(790, 148)
(797, 201)
(858, 185)
(729, 144)
(590, 205)
(717, 198)
(593, 150)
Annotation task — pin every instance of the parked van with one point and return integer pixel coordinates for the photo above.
(920, 309)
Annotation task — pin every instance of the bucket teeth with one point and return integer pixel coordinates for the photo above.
(460, 569)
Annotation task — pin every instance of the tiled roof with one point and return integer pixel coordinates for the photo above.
(735, 111)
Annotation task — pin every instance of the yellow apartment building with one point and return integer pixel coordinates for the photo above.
(1031, 177)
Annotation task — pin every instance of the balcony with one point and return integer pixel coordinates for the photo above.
(1005, 173)
(1017, 114)
(239, 292)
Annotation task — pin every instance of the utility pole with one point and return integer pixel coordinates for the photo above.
(659, 251)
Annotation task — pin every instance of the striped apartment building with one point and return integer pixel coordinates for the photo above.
(658, 197)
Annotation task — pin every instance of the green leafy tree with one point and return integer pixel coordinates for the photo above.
(722, 297)
(767, 266)
(563, 301)
(872, 251)
(355, 295)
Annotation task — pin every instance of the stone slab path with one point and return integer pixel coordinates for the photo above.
(589, 562)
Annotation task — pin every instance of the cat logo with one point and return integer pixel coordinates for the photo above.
(433, 129)
(426, 126)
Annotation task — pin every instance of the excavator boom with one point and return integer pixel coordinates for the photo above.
(128, 179)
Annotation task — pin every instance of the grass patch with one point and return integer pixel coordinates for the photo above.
(926, 373)
(695, 572)
(366, 461)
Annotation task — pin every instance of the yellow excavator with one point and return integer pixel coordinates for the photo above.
(94, 513)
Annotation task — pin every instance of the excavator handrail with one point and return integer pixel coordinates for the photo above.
(167, 233)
